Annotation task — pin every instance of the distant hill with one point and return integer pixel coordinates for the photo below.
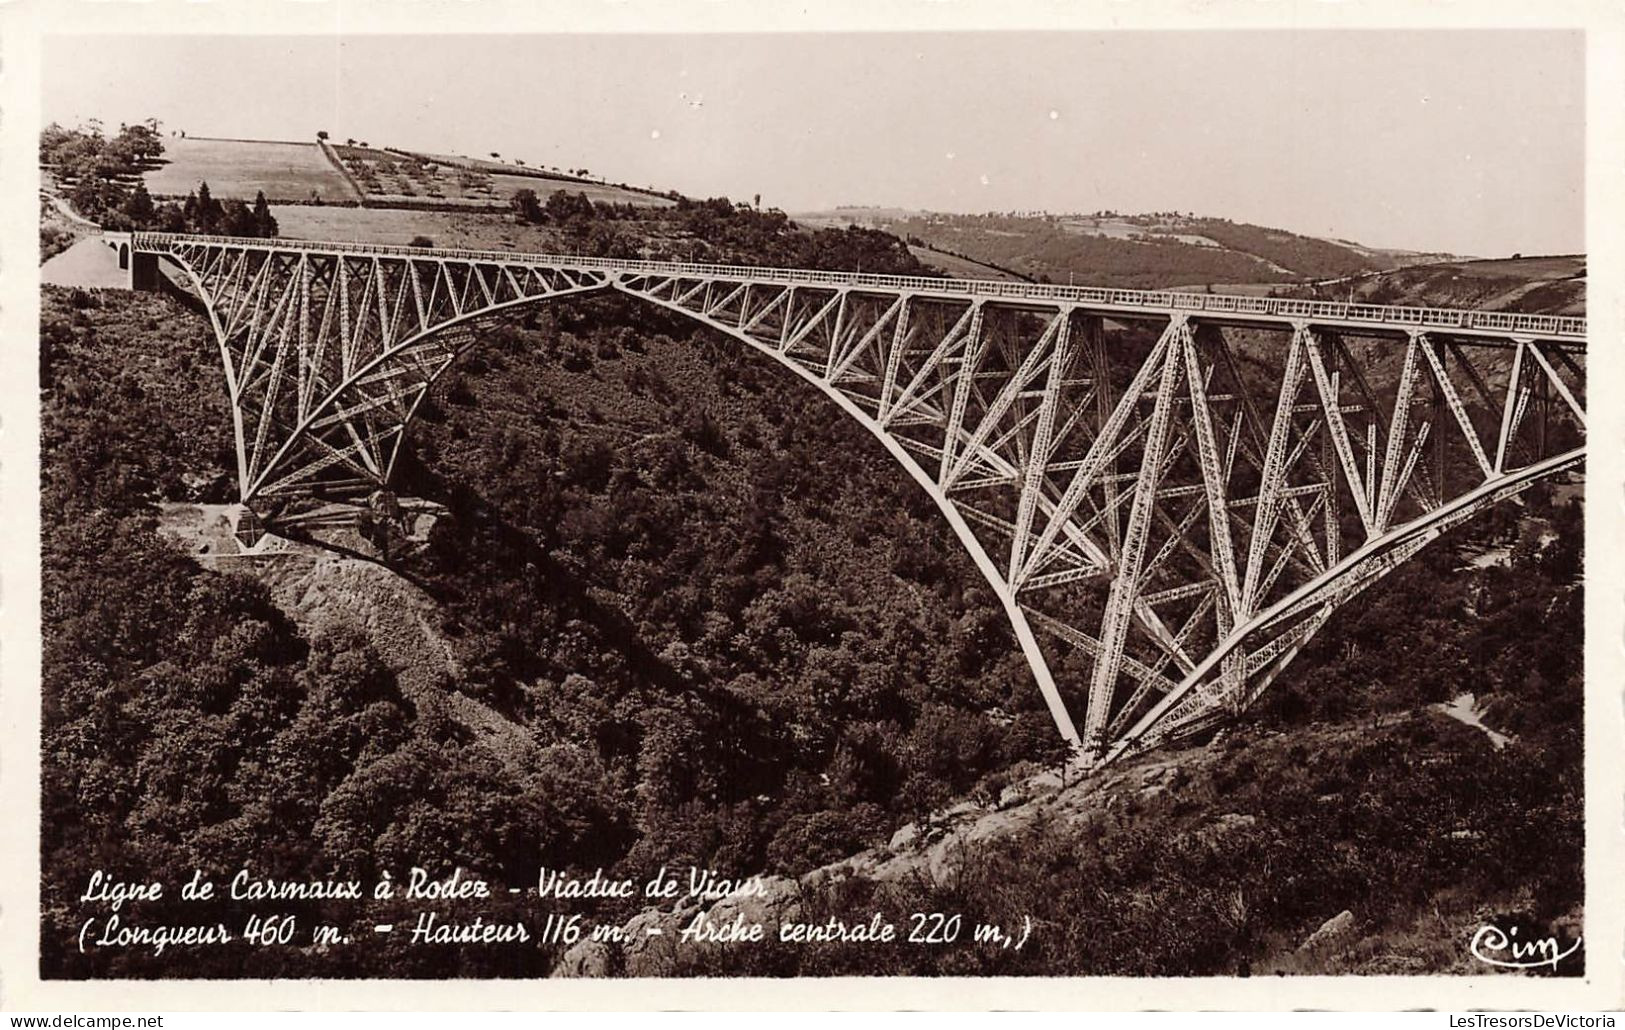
(1393, 258)
(842, 216)
(1554, 285)
(1167, 250)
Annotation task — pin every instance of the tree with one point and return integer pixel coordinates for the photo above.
(604, 241)
(94, 197)
(237, 219)
(138, 207)
(526, 206)
(264, 224)
(565, 207)
(203, 211)
(421, 241)
(322, 134)
(169, 218)
(142, 141)
(53, 139)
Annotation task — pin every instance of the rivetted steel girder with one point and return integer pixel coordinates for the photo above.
(1178, 489)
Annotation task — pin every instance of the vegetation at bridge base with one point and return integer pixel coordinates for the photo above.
(1345, 791)
(186, 722)
(729, 633)
(726, 595)
(655, 612)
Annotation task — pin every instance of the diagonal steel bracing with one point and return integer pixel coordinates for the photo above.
(1179, 490)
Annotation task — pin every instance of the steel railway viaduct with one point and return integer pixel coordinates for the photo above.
(1169, 493)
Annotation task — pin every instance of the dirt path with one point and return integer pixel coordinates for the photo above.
(1465, 709)
(68, 212)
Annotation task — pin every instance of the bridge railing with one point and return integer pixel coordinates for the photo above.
(1148, 300)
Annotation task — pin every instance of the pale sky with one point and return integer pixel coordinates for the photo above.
(1466, 141)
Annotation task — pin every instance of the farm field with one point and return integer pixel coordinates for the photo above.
(1232, 289)
(386, 175)
(506, 178)
(506, 185)
(240, 168)
(841, 217)
(487, 166)
(398, 226)
(391, 175)
(1120, 229)
(958, 267)
(1544, 268)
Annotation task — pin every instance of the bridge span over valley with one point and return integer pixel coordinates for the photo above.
(1169, 493)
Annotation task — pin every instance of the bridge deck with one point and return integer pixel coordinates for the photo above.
(1371, 318)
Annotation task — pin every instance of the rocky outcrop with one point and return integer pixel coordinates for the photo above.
(651, 944)
(323, 589)
(1332, 932)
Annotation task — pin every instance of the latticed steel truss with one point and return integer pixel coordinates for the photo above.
(1168, 493)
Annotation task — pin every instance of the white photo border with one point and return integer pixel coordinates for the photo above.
(23, 26)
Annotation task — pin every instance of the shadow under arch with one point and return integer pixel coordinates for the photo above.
(475, 320)
(967, 539)
(612, 284)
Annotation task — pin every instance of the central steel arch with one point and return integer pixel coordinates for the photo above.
(1177, 490)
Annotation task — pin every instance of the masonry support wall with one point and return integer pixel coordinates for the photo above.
(143, 272)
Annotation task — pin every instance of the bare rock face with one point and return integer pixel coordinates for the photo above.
(1229, 822)
(328, 588)
(1332, 931)
(641, 951)
(651, 944)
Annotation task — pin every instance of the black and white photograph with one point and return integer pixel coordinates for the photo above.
(913, 502)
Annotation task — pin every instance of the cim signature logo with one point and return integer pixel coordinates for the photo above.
(1499, 947)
